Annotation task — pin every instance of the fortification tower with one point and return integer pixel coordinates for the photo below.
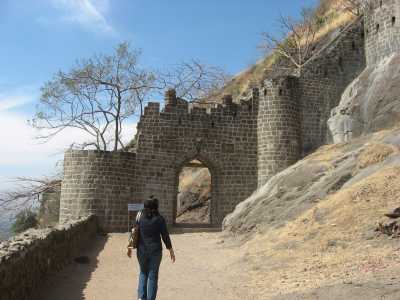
(382, 29)
(279, 127)
(99, 183)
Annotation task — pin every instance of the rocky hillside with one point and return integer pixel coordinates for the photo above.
(318, 229)
(337, 182)
(369, 105)
(371, 102)
(311, 230)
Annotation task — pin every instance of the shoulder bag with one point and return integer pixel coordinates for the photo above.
(134, 235)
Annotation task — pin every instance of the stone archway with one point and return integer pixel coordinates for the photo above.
(223, 139)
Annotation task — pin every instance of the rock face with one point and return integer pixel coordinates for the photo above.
(370, 103)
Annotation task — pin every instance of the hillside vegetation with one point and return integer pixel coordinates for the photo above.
(330, 16)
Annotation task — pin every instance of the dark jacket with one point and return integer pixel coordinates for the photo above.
(150, 233)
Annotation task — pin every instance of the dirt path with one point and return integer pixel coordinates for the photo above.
(203, 270)
(206, 268)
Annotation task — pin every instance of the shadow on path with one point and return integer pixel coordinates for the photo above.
(73, 279)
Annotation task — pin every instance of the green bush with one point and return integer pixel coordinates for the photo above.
(24, 220)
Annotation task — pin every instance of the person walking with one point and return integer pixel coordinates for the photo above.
(152, 228)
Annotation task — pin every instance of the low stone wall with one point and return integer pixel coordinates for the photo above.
(26, 259)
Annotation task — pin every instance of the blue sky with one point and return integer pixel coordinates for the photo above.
(40, 37)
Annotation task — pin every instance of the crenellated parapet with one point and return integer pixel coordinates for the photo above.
(223, 137)
(382, 29)
(177, 111)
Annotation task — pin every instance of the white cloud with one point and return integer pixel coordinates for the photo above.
(11, 102)
(22, 156)
(90, 14)
(16, 99)
(18, 147)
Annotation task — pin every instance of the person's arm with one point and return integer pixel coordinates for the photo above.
(166, 239)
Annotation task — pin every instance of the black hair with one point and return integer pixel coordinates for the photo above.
(151, 207)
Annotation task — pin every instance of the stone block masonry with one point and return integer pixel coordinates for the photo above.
(382, 29)
(99, 183)
(224, 140)
(279, 127)
(28, 258)
(323, 81)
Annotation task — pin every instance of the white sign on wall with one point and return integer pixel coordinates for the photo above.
(135, 206)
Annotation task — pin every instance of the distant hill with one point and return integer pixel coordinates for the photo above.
(5, 226)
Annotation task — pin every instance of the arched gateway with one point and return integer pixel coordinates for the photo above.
(223, 139)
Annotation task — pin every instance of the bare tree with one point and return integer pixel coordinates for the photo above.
(355, 7)
(296, 39)
(27, 192)
(96, 96)
(193, 80)
(99, 94)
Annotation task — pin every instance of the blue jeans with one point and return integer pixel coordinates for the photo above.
(148, 278)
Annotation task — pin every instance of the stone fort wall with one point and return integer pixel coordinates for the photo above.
(98, 183)
(279, 127)
(325, 78)
(243, 144)
(224, 140)
(382, 29)
(293, 111)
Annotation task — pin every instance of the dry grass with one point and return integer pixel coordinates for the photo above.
(327, 152)
(326, 244)
(342, 19)
(375, 153)
(335, 18)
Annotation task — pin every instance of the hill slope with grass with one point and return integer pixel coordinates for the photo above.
(311, 230)
(330, 17)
